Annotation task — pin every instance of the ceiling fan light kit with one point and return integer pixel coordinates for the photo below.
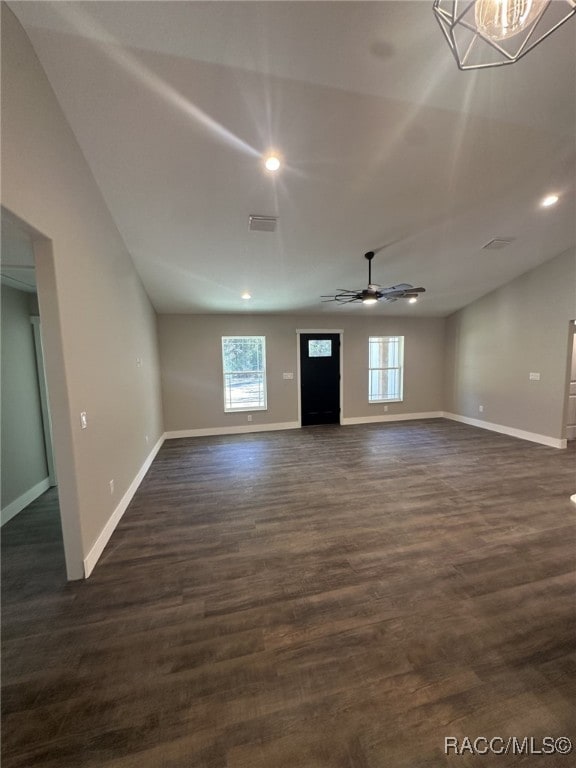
(492, 33)
(372, 294)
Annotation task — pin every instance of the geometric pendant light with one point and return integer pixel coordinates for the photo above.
(492, 33)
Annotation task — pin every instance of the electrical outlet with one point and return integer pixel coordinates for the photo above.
(139, 362)
(83, 420)
(249, 417)
(111, 487)
(481, 408)
(385, 409)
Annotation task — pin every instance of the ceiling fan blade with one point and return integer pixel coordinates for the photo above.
(402, 293)
(399, 287)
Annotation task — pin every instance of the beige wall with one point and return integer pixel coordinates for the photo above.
(22, 434)
(191, 365)
(494, 343)
(96, 317)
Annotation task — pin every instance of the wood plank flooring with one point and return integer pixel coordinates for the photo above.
(334, 597)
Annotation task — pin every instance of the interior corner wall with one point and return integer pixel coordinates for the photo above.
(24, 464)
(97, 320)
(493, 345)
(191, 367)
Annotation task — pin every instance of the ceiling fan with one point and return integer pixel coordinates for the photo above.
(374, 293)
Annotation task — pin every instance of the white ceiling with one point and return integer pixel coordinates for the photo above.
(385, 142)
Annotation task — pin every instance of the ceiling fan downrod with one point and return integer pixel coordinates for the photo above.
(369, 255)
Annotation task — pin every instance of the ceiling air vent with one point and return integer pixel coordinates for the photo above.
(498, 243)
(262, 223)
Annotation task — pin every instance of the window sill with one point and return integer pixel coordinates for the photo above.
(246, 410)
(377, 402)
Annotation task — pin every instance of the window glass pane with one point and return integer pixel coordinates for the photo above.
(244, 367)
(244, 390)
(320, 348)
(375, 353)
(375, 391)
(385, 363)
(385, 384)
(242, 353)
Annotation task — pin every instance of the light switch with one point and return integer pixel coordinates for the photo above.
(83, 420)
(288, 375)
(534, 376)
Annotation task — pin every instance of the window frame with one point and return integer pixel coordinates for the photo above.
(399, 367)
(225, 388)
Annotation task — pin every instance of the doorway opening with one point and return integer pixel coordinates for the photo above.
(27, 457)
(320, 377)
(32, 456)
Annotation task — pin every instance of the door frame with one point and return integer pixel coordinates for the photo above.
(42, 386)
(568, 430)
(340, 333)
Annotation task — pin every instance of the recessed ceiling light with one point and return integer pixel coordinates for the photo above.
(549, 200)
(272, 163)
(413, 300)
(246, 295)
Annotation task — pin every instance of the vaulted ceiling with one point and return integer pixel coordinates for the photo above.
(386, 146)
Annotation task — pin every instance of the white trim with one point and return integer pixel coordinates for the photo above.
(392, 417)
(533, 437)
(212, 431)
(98, 547)
(43, 388)
(22, 501)
(340, 332)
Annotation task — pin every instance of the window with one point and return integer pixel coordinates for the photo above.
(244, 366)
(385, 368)
(320, 348)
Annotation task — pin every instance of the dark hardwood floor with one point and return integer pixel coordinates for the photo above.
(323, 598)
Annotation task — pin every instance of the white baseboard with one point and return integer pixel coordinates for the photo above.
(93, 556)
(392, 417)
(209, 432)
(22, 501)
(533, 437)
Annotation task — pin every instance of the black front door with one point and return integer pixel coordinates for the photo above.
(320, 378)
